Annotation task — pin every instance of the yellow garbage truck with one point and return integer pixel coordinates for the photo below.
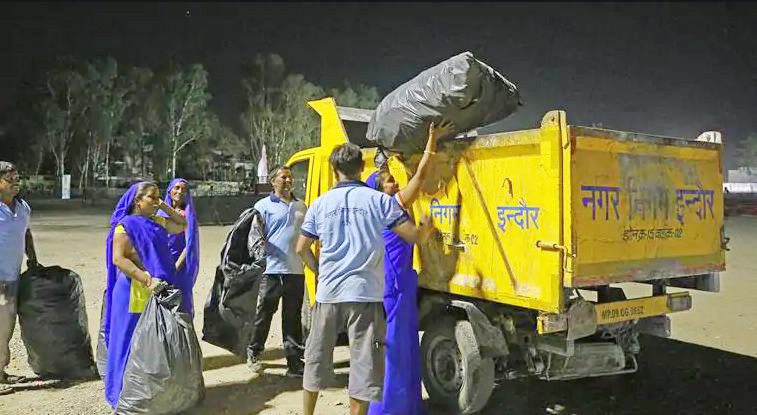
(534, 231)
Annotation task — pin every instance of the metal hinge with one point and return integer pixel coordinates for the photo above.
(553, 246)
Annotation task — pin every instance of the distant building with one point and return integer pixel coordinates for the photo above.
(247, 166)
(743, 175)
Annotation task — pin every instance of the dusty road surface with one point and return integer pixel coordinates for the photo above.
(709, 368)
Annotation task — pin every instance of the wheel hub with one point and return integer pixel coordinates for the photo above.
(446, 365)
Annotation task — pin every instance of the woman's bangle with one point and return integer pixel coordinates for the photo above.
(429, 152)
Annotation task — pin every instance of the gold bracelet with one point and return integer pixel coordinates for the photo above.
(429, 152)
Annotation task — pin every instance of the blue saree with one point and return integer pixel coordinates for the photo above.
(190, 239)
(150, 240)
(402, 376)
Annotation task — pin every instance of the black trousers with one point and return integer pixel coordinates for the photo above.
(290, 289)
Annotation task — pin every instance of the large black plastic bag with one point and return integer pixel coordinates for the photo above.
(53, 319)
(230, 308)
(461, 89)
(163, 374)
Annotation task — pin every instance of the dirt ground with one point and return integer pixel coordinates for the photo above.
(708, 368)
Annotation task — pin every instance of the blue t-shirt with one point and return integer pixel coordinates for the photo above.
(282, 227)
(13, 226)
(349, 220)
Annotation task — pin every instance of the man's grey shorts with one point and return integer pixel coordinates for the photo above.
(366, 328)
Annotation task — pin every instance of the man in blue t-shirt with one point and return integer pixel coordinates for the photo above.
(284, 274)
(348, 221)
(15, 240)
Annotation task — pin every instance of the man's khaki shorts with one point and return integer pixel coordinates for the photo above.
(366, 329)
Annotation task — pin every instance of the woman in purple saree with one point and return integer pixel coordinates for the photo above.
(185, 246)
(402, 376)
(137, 258)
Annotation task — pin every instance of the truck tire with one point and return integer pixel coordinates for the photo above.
(454, 373)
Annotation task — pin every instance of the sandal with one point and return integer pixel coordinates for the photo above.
(6, 390)
(11, 379)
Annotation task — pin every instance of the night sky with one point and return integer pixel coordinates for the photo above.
(676, 69)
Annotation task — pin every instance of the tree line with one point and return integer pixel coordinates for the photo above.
(87, 117)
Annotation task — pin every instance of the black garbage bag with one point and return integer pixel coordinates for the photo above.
(163, 374)
(101, 354)
(53, 319)
(230, 308)
(461, 89)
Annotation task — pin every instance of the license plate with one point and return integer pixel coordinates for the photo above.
(615, 312)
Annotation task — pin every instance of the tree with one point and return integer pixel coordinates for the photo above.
(107, 92)
(302, 124)
(22, 135)
(141, 125)
(62, 109)
(185, 96)
(262, 77)
(748, 153)
(86, 113)
(210, 155)
(276, 114)
(362, 96)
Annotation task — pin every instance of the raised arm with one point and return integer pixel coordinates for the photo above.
(175, 223)
(411, 233)
(182, 258)
(409, 193)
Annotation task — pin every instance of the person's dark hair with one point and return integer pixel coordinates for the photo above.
(6, 167)
(142, 190)
(275, 172)
(347, 159)
(381, 177)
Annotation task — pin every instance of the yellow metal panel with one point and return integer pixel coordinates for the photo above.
(332, 128)
(618, 311)
(644, 209)
(310, 195)
(332, 134)
(503, 197)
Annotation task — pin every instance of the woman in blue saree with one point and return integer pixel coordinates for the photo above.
(185, 246)
(137, 258)
(402, 376)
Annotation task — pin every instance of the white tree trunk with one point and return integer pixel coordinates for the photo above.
(107, 164)
(40, 159)
(84, 170)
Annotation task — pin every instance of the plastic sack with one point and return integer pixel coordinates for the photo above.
(461, 89)
(101, 354)
(230, 308)
(163, 374)
(53, 320)
(230, 312)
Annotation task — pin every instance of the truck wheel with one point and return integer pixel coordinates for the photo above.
(454, 373)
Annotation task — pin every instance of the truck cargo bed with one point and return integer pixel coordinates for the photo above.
(522, 215)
